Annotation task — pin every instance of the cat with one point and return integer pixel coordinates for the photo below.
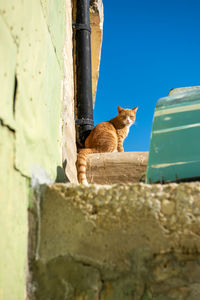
(106, 137)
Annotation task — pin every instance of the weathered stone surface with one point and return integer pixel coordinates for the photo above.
(65, 278)
(116, 167)
(96, 21)
(167, 207)
(142, 242)
(68, 125)
(96, 24)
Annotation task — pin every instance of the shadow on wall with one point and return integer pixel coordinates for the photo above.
(61, 176)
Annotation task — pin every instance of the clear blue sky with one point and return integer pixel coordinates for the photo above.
(148, 48)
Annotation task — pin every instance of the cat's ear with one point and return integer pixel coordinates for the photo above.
(135, 109)
(119, 109)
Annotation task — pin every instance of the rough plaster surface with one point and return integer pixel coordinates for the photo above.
(32, 71)
(32, 36)
(68, 127)
(13, 222)
(141, 241)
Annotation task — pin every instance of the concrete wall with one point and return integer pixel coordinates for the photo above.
(37, 122)
(32, 59)
(34, 82)
(120, 242)
(13, 221)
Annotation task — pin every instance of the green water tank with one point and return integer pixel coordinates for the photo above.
(174, 153)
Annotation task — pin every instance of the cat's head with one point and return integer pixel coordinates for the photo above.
(127, 116)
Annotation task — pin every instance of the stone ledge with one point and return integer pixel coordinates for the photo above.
(116, 167)
(138, 239)
(107, 223)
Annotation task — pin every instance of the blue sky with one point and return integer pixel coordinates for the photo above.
(148, 48)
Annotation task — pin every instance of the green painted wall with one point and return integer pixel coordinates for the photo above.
(32, 34)
(13, 222)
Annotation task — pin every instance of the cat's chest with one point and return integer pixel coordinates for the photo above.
(122, 133)
(127, 129)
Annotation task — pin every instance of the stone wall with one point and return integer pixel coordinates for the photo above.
(96, 24)
(119, 242)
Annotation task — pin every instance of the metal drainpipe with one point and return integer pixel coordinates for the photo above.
(83, 71)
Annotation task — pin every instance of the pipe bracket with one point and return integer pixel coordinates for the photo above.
(79, 26)
(85, 122)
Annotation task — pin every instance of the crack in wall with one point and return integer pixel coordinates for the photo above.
(49, 31)
(4, 124)
(60, 267)
(13, 131)
(15, 94)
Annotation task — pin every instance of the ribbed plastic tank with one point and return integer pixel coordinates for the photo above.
(174, 153)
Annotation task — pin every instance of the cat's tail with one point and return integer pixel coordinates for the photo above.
(81, 164)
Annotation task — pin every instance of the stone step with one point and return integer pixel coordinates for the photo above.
(119, 242)
(117, 167)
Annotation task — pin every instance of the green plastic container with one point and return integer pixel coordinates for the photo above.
(174, 153)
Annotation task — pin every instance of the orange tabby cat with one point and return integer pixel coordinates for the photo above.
(106, 137)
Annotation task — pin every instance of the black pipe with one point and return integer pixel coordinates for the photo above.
(83, 71)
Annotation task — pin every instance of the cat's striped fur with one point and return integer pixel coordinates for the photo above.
(106, 137)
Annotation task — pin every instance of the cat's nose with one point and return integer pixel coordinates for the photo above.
(128, 121)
